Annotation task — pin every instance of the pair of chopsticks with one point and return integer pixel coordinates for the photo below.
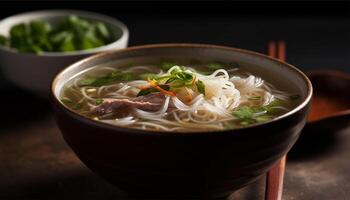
(274, 178)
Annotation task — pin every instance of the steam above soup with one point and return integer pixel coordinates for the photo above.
(169, 97)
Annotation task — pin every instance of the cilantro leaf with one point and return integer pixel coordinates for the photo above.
(102, 31)
(70, 34)
(244, 112)
(247, 115)
(184, 76)
(152, 90)
(99, 101)
(3, 40)
(146, 76)
(213, 66)
(200, 87)
(105, 80)
(39, 28)
(71, 104)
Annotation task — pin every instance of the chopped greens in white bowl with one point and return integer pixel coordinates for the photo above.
(35, 46)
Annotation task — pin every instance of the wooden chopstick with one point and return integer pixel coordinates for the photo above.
(274, 178)
(271, 48)
(277, 50)
(281, 50)
(274, 181)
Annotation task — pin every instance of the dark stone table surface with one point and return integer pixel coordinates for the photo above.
(35, 162)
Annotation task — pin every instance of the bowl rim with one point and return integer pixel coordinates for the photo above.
(66, 12)
(300, 106)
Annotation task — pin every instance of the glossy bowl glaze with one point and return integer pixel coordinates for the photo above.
(182, 165)
(34, 72)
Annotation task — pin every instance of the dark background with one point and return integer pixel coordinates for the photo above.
(317, 33)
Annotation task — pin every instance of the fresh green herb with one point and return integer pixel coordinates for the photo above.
(103, 32)
(77, 106)
(67, 43)
(200, 87)
(184, 76)
(170, 80)
(254, 98)
(180, 79)
(177, 78)
(66, 101)
(19, 37)
(274, 108)
(245, 123)
(152, 90)
(161, 78)
(87, 81)
(276, 102)
(71, 104)
(108, 79)
(215, 66)
(146, 76)
(229, 125)
(247, 115)
(145, 92)
(99, 101)
(263, 118)
(89, 40)
(3, 40)
(178, 84)
(39, 28)
(244, 112)
(19, 31)
(70, 34)
(177, 70)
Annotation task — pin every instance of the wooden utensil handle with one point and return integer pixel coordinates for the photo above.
(274, 181)
(274, 178)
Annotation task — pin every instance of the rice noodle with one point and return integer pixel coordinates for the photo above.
(122, 121)
(207, 111)
(154, 115)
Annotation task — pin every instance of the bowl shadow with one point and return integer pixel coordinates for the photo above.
(77, 186)
(313, 143)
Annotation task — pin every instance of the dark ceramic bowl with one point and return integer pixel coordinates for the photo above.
(207, 164)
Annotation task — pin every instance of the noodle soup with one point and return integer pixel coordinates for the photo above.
(171, 97)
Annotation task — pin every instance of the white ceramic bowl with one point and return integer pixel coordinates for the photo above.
(34, 72)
